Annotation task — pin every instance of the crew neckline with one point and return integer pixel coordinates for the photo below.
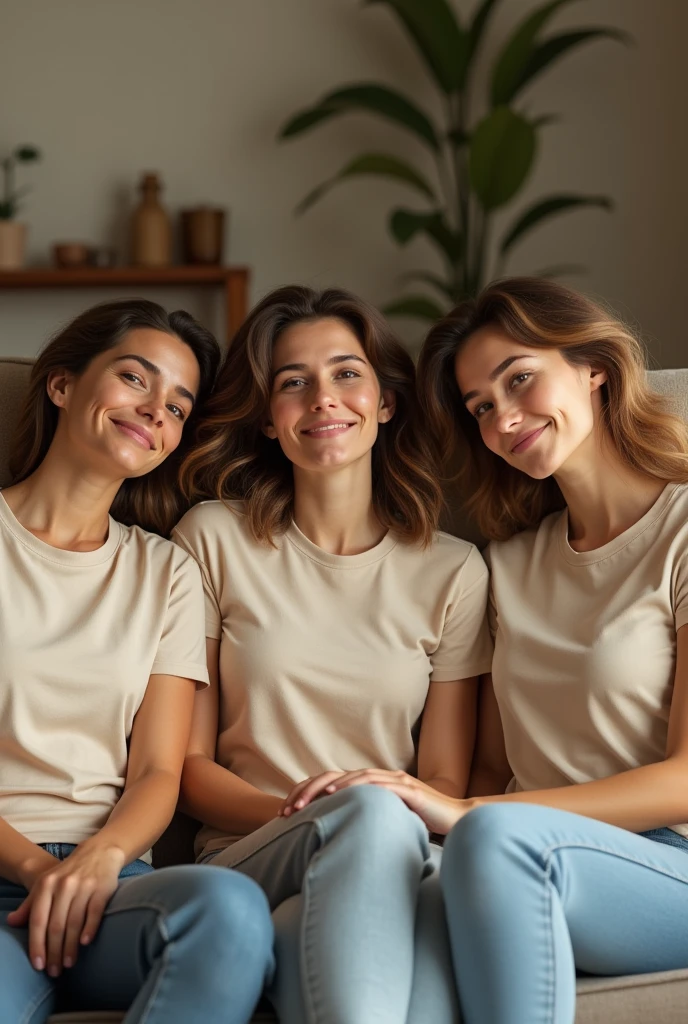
(655, 512)
(332, 561)
(60, 555)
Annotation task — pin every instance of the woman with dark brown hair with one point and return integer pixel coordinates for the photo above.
(101, 652)
(337, 618)
(571, 850)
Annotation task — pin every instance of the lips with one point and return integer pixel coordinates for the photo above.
(527, 440)
(137, 433)
(327, 429)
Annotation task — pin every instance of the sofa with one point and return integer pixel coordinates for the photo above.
(636, 999)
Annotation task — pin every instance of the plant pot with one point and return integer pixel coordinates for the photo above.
(12, 244)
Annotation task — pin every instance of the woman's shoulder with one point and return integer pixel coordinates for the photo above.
(153, 551)
(447, 557)
(525, 545)
(212, 518)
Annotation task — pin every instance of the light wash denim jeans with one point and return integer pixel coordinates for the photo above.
(533, 893)
(174, 946)
(345, 949)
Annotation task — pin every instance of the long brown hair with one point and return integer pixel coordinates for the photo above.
(151, 501)
(232, 458)
(541, 314)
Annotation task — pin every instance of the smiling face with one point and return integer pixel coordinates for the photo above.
(534, 409)
(326, 403)
(125, 413)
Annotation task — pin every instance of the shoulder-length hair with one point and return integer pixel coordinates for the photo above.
(232, 458)
(151, 501)
(541, 314)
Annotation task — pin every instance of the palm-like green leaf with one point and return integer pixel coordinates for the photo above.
(502, 151)
(432, 279)
(544, 54)
(543, 210)
(510, 64)
(419, 306)
(436, 32)
(406, 224)
(476, 30)
(380, 164)
(369, 97)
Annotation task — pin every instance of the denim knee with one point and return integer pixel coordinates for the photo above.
(483, 836)
(378, 814)
(238, 906)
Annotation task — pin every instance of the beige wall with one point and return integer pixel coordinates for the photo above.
(198, 88)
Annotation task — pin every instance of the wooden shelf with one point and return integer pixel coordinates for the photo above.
(234, 280)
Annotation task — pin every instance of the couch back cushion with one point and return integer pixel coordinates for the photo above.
(14, 379)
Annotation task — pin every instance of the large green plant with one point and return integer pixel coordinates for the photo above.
(479, 165)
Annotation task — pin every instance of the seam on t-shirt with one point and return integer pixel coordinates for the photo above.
(188, 671)
(66, 565)
(596, 561)
(346, 568)
(205, 571)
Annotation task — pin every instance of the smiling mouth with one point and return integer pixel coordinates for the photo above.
(137, 434)
(526, 443)
(327, 430)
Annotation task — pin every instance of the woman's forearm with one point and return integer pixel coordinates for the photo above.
(639, 799)
(20, 859)
(141, 815)
(219, 798)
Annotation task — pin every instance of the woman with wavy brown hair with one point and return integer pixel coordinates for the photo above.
(571, 850)
(344, 636)
(101, 651)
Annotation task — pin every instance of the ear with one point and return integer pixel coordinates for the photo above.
(269, 431)
(598, 377)
(388, 404)
(58, 386)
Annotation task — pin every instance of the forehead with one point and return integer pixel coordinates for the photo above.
(482, 353)
(314, 341)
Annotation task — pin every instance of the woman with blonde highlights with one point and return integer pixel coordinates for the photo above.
(571, 849)
(336, 617)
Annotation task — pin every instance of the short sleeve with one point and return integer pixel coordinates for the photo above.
(465, 648)
(681, 592)
(185, 535)
(492, 621)
(181, 650)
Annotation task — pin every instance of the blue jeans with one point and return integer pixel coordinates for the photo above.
(343, 876)
(533, 894)
(176, 945)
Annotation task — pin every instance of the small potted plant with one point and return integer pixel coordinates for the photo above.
(13, 233)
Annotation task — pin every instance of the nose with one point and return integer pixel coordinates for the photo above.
(322, 397)
(508, 417)
(153, 409)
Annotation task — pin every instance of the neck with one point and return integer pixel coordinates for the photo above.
(604, 496)
(335, 510)
(63, 504)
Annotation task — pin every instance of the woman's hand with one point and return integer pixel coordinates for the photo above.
(439, 812)
(309, 789)
(65, 904)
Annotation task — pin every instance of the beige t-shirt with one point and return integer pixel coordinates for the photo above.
(585, 645)
(325, 660)
(80, 634)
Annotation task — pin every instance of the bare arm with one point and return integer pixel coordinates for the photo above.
(210, 792)
(67, 898)
(447, 736)
(490, 771)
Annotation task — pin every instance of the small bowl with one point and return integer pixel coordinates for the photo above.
(71, 254)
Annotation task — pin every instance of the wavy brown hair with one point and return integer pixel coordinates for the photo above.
(151, 501)
(541, 314)
(232, 458)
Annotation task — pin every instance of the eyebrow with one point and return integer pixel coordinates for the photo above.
(155, 370)
(330, 362)
(497, 372)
